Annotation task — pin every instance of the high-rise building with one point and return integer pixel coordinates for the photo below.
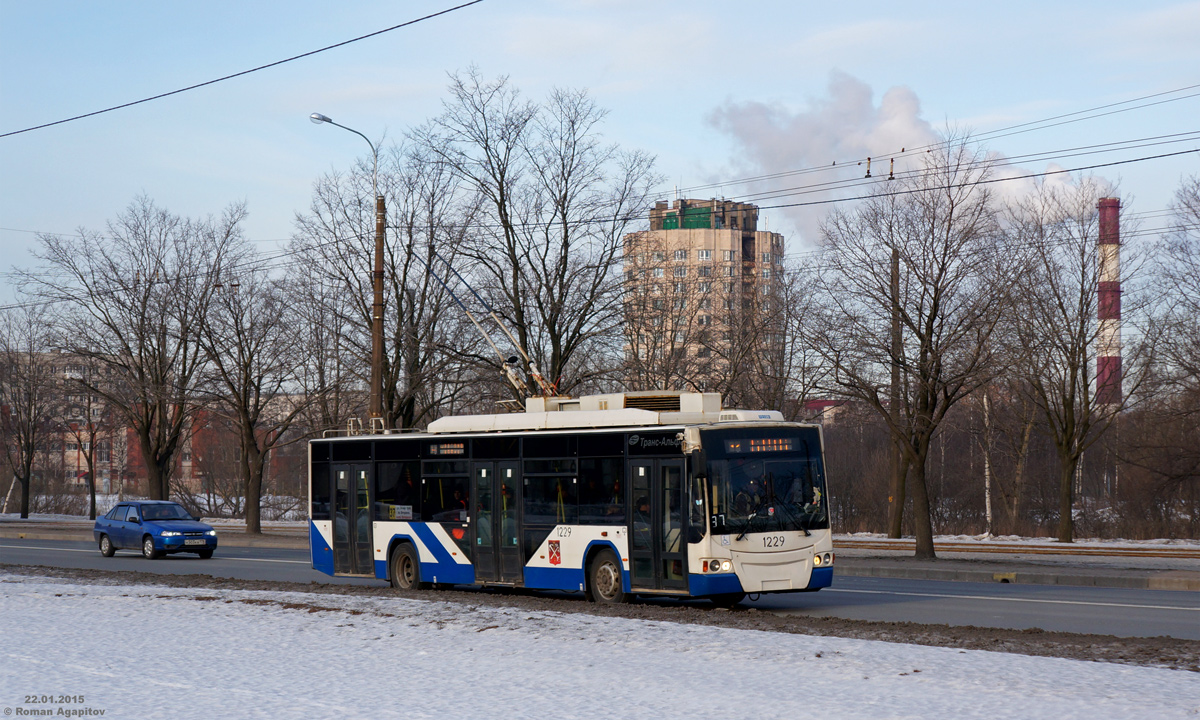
(701, 295)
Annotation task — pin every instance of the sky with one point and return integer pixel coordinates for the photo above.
(716, 95)
(153, 651)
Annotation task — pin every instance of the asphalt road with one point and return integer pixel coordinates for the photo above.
(1104, 611)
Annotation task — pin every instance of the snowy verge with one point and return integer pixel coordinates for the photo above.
(1020, 539)
(144, 651)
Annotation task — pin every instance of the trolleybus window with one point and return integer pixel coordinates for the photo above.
(600, 499)
(320, 490)
(770, 481)
(396, 496)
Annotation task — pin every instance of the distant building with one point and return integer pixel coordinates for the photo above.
(700, 286)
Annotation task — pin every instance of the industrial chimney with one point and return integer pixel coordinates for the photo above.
(1108, 343)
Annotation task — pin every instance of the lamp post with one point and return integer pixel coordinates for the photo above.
(375, 410)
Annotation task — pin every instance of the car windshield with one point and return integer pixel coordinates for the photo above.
(769, 490)
(165, 512)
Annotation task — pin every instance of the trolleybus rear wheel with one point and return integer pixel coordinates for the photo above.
(605, 579)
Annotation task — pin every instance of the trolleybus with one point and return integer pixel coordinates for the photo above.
(612, 495)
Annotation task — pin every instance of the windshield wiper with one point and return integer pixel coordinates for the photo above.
(754, 515)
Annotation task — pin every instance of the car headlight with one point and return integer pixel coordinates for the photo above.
(170, 533)
(211, 532)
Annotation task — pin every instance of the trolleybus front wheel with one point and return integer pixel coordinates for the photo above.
(605, 580)
(727, 600)
(406, 571)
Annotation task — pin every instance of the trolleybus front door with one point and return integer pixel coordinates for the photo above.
(352, 520)
(497, 553)
(657, 533)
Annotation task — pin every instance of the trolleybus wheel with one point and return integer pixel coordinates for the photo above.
(727, 600)
(605, 580)
(406, 571)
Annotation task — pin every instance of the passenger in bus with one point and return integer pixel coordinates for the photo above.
(483, 525)
(752, 490)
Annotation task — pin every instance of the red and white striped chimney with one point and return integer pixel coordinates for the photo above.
(1108, 343)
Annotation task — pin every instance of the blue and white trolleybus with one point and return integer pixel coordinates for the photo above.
(651, 493)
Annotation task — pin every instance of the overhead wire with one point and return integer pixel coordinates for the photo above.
(990, 134)
(243, 72)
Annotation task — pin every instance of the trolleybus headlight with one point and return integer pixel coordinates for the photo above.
(817, 560)
(828, 558)
(726, 565)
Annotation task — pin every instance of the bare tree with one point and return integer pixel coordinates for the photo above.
(254, 357)
(426, 213)
(1171, 453)
(131, 303)
(941, 221)
(1056, 326)
(28, 391)
(87, 421)
(558, 201)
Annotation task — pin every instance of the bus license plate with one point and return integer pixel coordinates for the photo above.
(197, 541)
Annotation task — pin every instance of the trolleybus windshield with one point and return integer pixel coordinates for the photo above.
(766, 480)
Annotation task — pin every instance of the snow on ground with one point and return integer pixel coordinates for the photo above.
(1020, 539)
(155, 652)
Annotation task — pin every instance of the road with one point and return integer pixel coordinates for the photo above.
(1105, 611)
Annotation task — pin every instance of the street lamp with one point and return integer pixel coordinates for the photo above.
(376, 402)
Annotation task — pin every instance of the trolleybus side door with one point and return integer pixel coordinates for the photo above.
(508, 500)
(497, 552)
(657, 532)
(352, 552)
(485, 520)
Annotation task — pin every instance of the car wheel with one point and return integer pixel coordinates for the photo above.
(206, 554)
(148, 550)
(605, 580)
(106, 546)
(727, 600)
(406, 571)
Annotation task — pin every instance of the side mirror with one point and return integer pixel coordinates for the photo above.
(196, 518)
(700, 464)
(137, 520)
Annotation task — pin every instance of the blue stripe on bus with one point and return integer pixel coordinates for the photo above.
(703, 585)
(443, 569)
(542, 578)
(821, 577)
(322, 554)
(381, 569)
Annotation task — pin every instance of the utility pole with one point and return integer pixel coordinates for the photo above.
(376, 420)
(376, 405)
(899, 466)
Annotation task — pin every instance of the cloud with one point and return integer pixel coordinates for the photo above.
(843, 126)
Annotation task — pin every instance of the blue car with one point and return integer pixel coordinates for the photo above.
(157, 527)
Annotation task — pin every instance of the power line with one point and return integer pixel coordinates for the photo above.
(991, 134)
(267, 262)
(243, 72)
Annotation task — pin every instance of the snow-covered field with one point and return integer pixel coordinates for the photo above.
(156, 652)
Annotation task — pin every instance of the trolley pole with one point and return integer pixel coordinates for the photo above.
(375, 402)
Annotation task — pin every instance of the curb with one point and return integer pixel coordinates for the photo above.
(1166, 580)
(223, 539)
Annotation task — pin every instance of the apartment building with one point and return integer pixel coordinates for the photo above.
(701, 294)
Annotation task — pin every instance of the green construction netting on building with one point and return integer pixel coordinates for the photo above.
(692, 218)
